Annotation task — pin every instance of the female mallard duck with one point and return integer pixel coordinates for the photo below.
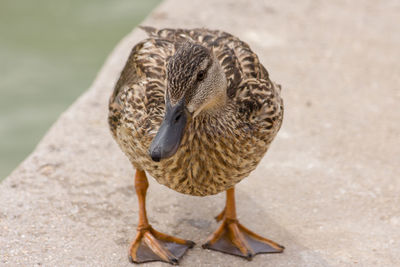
(197, 111)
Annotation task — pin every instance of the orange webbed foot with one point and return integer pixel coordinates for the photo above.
(233, 238)
(151, 245)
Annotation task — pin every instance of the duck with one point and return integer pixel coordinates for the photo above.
(196, 110)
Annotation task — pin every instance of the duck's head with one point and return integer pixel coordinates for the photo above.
(196, 83)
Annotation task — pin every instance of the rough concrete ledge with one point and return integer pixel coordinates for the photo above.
(328, 189)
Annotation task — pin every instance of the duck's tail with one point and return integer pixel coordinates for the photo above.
(151, 31)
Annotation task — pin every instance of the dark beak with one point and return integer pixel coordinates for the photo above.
(170, 133)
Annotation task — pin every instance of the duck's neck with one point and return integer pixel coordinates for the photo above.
(218, 120)
(218, 104)
(215, 106)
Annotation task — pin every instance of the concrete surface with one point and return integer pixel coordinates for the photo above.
(329, 188)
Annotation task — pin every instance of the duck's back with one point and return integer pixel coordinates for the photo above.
(137, 110)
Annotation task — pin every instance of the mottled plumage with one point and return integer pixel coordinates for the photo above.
(218, 148)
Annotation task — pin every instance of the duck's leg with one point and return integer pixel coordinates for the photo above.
(149, 244)
(233, 238)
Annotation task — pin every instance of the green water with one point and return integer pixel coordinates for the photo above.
(50, 52)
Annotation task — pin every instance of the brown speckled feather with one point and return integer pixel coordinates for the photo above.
(217, 151)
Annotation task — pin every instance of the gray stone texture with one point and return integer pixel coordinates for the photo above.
(328, 189)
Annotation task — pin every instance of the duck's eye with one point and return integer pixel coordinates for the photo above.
(200, 75)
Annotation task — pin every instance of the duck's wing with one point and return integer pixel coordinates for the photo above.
(138, 95)
(259, 107)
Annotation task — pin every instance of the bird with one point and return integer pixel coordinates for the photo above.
(196, 110)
